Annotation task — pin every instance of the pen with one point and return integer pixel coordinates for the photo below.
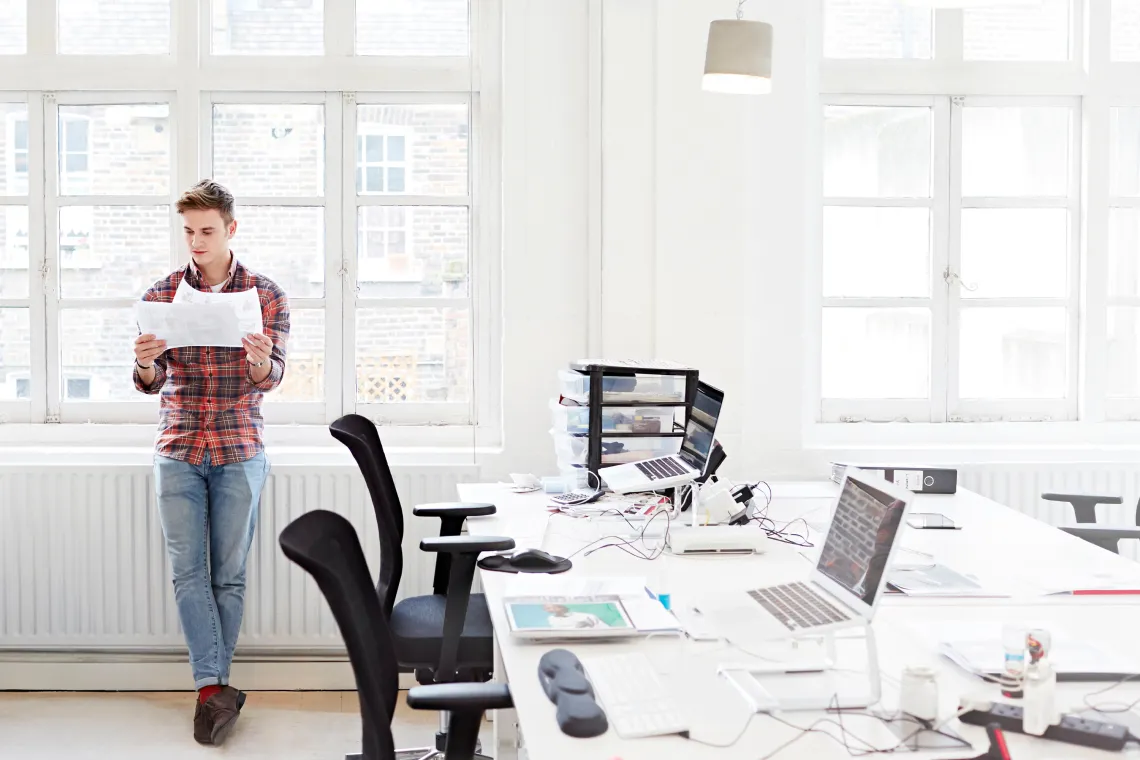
(1098, 592)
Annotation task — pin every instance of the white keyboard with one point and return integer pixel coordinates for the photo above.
(630, 692)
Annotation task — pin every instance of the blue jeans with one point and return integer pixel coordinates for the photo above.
(208, 515)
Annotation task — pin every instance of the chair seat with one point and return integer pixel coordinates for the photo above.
(417, 632)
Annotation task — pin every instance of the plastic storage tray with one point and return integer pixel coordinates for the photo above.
(571, 449)
(640, 389)
(649, 419)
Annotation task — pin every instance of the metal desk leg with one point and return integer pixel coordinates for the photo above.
(505, 731)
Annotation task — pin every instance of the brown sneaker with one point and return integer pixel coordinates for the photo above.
(214, 718)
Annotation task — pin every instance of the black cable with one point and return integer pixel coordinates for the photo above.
(732, 743)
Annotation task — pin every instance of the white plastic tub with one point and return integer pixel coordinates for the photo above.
(640, 389)
(573, 449)
(648, 419)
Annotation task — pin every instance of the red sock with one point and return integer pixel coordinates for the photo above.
(208, 691)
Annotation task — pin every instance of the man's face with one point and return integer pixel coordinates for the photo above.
(207, 236)
(557, 610)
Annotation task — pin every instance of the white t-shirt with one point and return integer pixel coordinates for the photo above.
(218, 288)
(576, 620)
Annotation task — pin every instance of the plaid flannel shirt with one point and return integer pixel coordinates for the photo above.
(209, 403)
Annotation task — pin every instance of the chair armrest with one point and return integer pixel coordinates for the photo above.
(466, 544)
(1084, 506)
(461, 696)
(453, 509)
(1088, 532)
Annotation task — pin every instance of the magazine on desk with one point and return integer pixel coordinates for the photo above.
(569, 617)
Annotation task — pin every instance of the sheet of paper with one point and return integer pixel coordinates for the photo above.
(648, 615)
(542, 584)
(190, 324)
(245, 303)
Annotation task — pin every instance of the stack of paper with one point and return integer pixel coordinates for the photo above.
(195, 318)
(937, 580)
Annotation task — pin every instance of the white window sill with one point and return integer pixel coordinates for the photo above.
(979, 442)
(308, 445)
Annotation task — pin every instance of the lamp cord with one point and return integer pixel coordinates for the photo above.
(740, 9)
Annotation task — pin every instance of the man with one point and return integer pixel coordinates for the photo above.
(210, 465)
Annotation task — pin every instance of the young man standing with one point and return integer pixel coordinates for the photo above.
(210, 465)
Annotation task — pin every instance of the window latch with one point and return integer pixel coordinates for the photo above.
(950, 277)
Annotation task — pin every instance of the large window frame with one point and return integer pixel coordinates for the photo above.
(1091, 84)
(190, 79)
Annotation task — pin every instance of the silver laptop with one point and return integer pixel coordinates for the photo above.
(676, 469)
(847, 581)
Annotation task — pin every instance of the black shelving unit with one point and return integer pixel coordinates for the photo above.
(597, 371)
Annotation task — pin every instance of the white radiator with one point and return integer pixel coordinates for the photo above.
(1020, 486)
(82, 564)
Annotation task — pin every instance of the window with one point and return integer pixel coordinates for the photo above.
(13, 27)
(363, 205)
(951, 243)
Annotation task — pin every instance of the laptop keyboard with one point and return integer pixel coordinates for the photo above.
(659, 469)
(798, 606)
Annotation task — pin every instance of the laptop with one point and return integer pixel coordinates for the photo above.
(847, 581)
(675, 469)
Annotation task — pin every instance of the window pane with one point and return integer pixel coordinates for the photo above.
(97, 346)
(1036, 31)
(270, 150)
(1124, 251)
(424, 27)
(1125, 30)
(876, 252)
(873, 152)
(114, 27)
(305, 363)
(126, 150)
(1013, 353)
(1124, 352)
(14, 252)
(876, 29)
(112, 251)
(434, 154)
(1015, 252)
(413, 354)
(423, 251)
(14, 157)
(1125, 150)
(286, 244)
(1015, 151)
(876, 353)
(15, 354)
(13, 27)
(268, 27)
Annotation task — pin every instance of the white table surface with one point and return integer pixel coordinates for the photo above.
(998, 545)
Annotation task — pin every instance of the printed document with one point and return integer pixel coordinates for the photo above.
(202, 319)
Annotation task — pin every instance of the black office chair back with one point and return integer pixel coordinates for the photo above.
(361, 438)
(325, 545)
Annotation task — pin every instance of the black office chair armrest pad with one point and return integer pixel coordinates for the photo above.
(466, 544)
(453, 509)
(461, 697)
(1102, 531)
(1086, 498)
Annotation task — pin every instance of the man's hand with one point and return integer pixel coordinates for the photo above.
(147, 349)
(258, 348)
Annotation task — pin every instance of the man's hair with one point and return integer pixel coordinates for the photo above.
(207, 195)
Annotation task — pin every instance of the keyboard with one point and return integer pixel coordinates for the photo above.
(664, 467)
(632, 695)
(798, 606)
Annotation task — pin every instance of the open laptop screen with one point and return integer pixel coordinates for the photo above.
(702, 425)
(859, 542)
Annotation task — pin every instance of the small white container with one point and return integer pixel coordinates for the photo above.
(639, 389)
(918, 693)
(650, 419)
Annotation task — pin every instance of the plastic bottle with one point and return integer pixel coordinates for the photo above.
(1040, 702)
(1013, 639)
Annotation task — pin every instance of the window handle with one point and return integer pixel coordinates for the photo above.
(951, 278)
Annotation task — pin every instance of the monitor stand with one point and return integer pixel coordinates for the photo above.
(815, 683)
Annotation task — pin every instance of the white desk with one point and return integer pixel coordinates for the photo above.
(996, 543)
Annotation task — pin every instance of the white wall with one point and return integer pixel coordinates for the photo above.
(703, 202)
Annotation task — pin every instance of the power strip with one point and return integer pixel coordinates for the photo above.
(1071, 729)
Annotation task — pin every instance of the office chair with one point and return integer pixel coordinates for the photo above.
(445, 636)
(325, 545)
(1084, 509)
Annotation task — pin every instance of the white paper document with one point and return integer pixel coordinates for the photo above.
(195, 318)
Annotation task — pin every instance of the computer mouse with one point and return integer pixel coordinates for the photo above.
(535, 559)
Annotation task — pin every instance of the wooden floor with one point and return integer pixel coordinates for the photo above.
(158, 726)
